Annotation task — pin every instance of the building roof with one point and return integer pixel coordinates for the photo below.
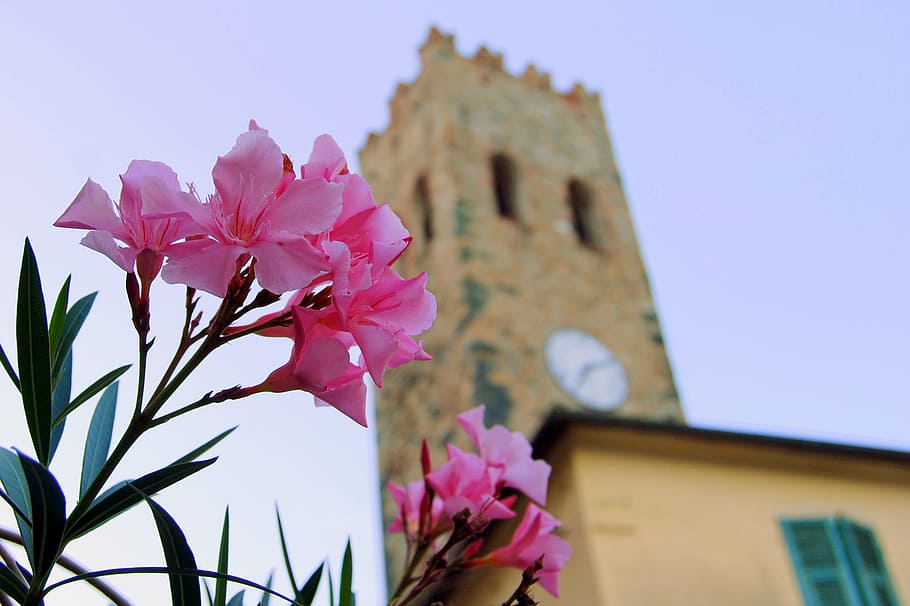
(560, 420)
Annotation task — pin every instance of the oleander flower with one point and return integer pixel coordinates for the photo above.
(320, 364)
(508, 455)
(256, 212)
(145, 183)
(532, 539)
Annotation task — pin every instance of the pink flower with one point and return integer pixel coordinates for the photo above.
(463, 482)
(145, 183)
(380, 319)
(533, 538)
(409, 501)
(257, 212)
(508, 454)
(320, 364)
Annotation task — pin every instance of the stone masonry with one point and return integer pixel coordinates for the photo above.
(505, 281)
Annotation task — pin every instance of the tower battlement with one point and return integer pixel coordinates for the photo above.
(440, 47)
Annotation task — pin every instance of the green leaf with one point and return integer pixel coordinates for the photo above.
(236, 599)
(14, 481)
(190, 572)
(345, 594)
(332, 601)
(59, 401)
(124, 495)
(72, 324)
(98, 441)
(177, 555)
(191, 456)
(208, 593)
(284, 551)
(266, 596)
(34, 355)
(307, 593)
(221, 584)
(59, 315)
(8, 367)
(12, 585)
(48, 507)
(90, 391)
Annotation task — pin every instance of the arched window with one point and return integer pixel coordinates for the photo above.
(584, 215)
(505, 185)
(424, 208)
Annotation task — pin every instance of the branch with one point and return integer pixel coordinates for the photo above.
(75, 567)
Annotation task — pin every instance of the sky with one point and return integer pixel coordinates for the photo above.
(763, 147)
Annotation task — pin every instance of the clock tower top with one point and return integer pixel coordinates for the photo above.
(511, 192)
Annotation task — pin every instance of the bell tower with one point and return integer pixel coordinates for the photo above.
(512, 195)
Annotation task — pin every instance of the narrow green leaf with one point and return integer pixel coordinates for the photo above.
(12, 504)
(48, 507)
(332, 601)
(177, 555)
(59, 315)
(237, 598)
(72, 324)
(90, 391)
(221, 584)
(266, 595)
(14, 481)
(60, 399)
(98, 441)
(121, 497)
(34, 354)
(284, 550)
(307, 593)
(192, 572)
(208, 593)
(191, 456)
(8, 367)
(12, 585)
(345, 593)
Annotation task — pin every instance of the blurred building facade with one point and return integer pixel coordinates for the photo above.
(512, 194)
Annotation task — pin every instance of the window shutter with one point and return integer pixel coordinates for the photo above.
(867, 563)
(821, 565)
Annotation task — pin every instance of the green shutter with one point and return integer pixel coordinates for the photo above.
(821, 564)
(867, 564)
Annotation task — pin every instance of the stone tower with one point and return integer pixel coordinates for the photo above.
(513, 197)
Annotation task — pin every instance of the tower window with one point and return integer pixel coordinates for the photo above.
(504, 185)
(424, 208)
(584, 215)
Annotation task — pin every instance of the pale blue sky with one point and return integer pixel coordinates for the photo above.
(764, 148)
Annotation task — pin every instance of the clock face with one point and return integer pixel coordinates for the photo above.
(586, 369)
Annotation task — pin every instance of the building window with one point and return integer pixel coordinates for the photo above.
(838, 563)
(424, 208)
(505, 183)
(585, 219)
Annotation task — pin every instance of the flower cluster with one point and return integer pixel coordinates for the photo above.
(319, 235)
(478, 488)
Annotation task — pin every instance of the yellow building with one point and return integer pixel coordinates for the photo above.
(515, 201)
(662, 514)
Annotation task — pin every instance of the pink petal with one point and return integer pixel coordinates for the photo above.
(472, 422)
(378, 346)
(307, 207)
(137, 173)
(530, 477)
(92, 209)
(349, 399)
(286, 266)
(203, 264)
(326, 160)
(249, 172)
(103, 242)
